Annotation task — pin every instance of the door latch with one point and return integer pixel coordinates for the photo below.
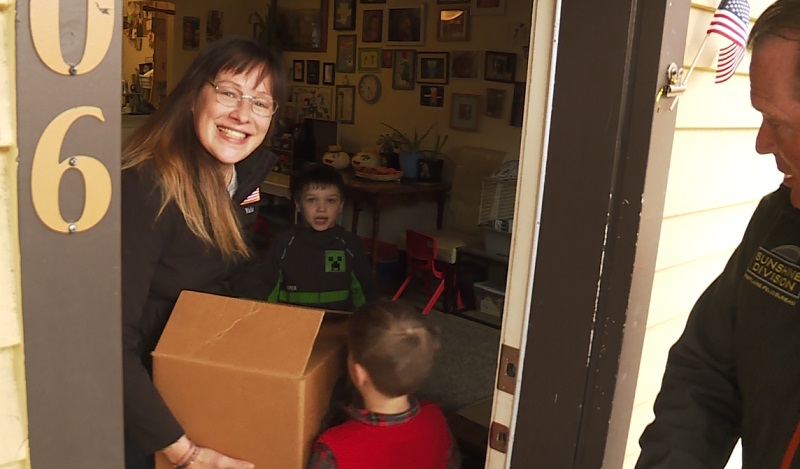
(674, 88)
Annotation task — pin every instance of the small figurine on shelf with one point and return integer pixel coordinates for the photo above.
(336, 157)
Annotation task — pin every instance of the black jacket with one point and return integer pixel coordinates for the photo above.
(735, 371)
(160, 258)
(328, 269)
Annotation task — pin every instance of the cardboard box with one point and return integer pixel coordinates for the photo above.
(251, 380)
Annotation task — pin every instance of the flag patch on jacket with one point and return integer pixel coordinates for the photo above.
(252, 198)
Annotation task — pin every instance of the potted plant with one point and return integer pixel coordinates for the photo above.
(410, 150)
(431, 164)
(387, 147)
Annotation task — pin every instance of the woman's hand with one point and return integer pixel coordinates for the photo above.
(184, 453)
(207, 458)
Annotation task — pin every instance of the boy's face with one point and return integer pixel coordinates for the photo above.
(320, 206)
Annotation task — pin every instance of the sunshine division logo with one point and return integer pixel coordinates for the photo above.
(777, 272)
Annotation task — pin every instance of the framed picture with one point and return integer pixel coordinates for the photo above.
(431, 95)
(403, 69)
(453, 2)
(312, 72)
(386, 58)
(488, 7)
(214, 29)
(406, 25)
(495, 98)
(465, 111)
(344, 15)
(372, 1)
(369, 59)
(518, 104)
(304, 28)
(372, 26)
(465, 64)
(345, 103)
(191, 33)
(346, 53)
(453, 25)
(328, 73)
(432, 67)
(298, 70)
(500, 66)
(313, 101)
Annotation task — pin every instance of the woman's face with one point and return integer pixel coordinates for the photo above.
(230, 134)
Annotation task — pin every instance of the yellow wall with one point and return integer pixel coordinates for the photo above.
(13, 416)
(715, 181)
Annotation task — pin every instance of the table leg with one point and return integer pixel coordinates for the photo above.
(440, 211)
(376, 222)
(354, 225)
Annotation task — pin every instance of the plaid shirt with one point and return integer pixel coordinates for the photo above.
(322, 456)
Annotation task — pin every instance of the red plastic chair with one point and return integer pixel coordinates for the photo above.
(421, 255)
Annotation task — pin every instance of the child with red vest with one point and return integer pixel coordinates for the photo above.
(391, 354)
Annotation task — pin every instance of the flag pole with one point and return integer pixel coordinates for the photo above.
(694, 62)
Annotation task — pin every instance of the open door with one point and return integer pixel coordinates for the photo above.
(595, 154)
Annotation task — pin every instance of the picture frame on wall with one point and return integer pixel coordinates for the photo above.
(453, 2)
(495, 100)
(346, 53)
(405, 25)
(453, 25)
(345, 103)
(488, 7)
(387, 55)
(298, 70)
(372, 26)
(372, 1)
(431, 95)
(191, 33)
(500, 66)
(465, 64)
(404, 68)
(328, 73)
(369, 59)
(344, 15)
(465, 111)
(313, 102)
(312, 72)
(433, 67)
(518, 105)
(304, 27)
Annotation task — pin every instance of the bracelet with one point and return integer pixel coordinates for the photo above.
(187, 461)
(184, 455)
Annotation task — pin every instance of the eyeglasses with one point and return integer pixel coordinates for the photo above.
(230, 97)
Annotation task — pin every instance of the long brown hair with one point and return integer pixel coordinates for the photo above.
(187, 174)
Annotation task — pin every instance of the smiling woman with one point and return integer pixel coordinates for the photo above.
(190, 183)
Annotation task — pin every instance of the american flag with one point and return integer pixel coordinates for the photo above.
(255, 196)
(730, 21)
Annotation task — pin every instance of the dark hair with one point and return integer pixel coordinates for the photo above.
(395, 344)
(316, 175)
(188, 174)
(781, 19)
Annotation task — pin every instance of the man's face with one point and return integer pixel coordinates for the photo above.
(775, 93)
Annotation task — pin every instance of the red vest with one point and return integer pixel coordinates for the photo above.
(422, 443)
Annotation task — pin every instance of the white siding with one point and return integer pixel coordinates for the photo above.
(715, 181)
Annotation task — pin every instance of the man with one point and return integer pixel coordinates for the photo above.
(735, 372)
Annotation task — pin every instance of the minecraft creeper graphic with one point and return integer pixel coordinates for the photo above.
(334, 261)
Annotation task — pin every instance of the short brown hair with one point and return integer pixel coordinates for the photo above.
(395, 344)
(781, 19)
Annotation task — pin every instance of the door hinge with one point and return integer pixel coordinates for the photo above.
(498, 437)
(509, 369)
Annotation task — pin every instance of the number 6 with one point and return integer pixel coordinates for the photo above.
(47, 171)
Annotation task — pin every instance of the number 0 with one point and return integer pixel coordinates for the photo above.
(47, 171)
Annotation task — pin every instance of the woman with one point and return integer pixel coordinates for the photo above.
(191, 175)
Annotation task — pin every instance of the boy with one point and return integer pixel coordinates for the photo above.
(391, 354)
(318, 263)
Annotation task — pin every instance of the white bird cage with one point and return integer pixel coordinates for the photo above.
(497, 203)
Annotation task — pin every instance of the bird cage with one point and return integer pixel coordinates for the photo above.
(497, 203)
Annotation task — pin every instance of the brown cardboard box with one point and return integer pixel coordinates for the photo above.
(250, 379)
